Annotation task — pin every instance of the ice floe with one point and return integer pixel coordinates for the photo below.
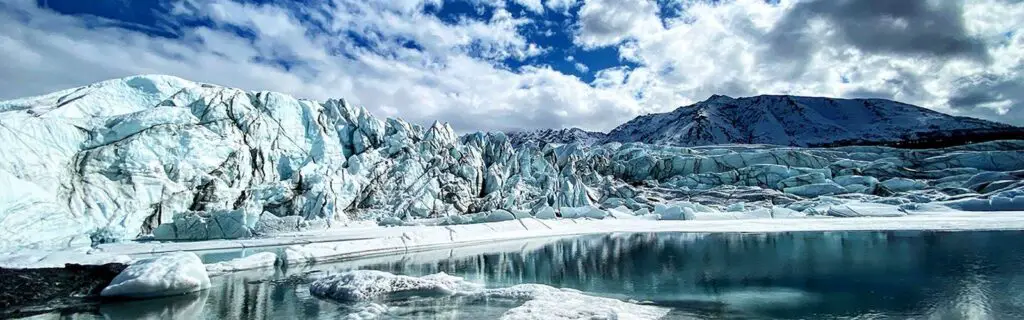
(539, 301)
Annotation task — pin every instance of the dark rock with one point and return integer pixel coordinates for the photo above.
(25, 292)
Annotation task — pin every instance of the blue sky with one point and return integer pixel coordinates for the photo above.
(526, 64)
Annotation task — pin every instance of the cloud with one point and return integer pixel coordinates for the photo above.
(911, 51)
(582, 68)
(606, 22)
(453, 75)
(399, 60)
(909, 27)
(995, 96)
(562, 6)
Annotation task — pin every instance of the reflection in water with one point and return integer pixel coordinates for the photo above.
(937, 275)
(189, 306)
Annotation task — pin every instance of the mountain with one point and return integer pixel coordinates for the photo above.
(164, 158)
(803, 121)
(559, 136)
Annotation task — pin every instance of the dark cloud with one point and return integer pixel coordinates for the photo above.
(973, 94)
(904, 27)
(985, 88)
(904, 86)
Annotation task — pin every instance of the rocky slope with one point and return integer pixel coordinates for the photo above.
(162, 157)
(558, 136)
(800, 121)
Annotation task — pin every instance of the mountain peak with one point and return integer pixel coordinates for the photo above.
(718, 98)
(799, 121)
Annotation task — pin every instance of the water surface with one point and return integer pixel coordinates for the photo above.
(800, 275)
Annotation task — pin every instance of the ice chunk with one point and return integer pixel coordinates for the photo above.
(541, 301)
(545, 213)
(498, 215)
(816, 189)
(865, 210)
(366, 285)
(802, 180)
(365, 311)
(583, 212)
(1009, 200)
(903, 184)
(545, 302)
(166, 275)
(255, 261)
(682, 211)
(232, 224)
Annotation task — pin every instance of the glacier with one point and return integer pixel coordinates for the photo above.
(163, 158)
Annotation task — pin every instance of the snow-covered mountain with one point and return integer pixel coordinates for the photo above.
(558, 136)
(167, 158)
(796, 121)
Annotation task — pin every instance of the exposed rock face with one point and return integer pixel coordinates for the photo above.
(803, 121)
(164, 157)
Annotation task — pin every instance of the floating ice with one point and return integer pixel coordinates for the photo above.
(545, 302)
(365, 285)
(166, 275)
(540, 301)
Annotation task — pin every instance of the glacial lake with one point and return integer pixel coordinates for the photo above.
(799, 275)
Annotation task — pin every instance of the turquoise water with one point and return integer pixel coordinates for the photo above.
(804, 275)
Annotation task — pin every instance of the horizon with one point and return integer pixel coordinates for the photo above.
(520, 65)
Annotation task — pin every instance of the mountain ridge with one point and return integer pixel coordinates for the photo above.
(798, 121)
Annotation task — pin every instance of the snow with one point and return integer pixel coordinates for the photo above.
(254, 261)
(166, 275)
(541, 301)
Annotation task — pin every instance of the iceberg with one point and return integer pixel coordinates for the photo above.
(166, 275)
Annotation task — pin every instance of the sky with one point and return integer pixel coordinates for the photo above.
(529, 64)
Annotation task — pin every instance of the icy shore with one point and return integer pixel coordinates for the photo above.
(352, 243)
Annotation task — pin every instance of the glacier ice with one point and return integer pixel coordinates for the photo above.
(169, 159)
(166, 275)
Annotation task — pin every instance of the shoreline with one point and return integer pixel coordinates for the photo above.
(343, 243)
